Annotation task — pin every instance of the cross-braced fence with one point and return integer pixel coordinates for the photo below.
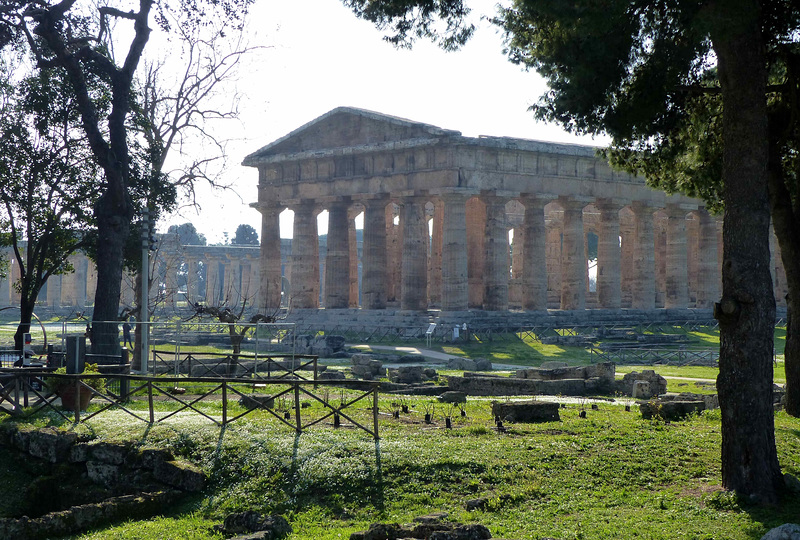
(24, 392)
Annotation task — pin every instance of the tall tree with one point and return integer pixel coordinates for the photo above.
(690, 160)
(187, 234)
(629, 69)
(79, 38)
(245, 235)
(46, 173)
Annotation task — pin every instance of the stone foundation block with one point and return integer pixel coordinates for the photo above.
(526, 411)
(181, 475)
(670, 410)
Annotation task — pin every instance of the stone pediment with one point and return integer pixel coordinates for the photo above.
(348, 127)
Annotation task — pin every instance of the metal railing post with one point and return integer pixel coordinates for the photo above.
(297, 407)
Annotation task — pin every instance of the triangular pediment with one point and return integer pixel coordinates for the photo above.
(348, 127)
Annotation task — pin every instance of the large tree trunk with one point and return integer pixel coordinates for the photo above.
(747, 310)
(113, 225)
(784, 221)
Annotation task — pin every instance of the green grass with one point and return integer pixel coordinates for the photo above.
(609, 476)
(522, 352)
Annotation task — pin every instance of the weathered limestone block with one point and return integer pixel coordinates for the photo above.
(658, 384)
(180, 474)
(604, 370)
(109, 452)
(787, 531)
(509, 386)
(51, 444)
(411, 374)
(366, 367)
(462, 364)
(263, 527)
(453, 397)
(641, 390)
(256, 401)
(483, 364)
(105, 474)
(146, 458)
(553, 364)
(670, 410)
(526, 411)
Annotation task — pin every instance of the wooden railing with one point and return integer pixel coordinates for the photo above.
(23, 393)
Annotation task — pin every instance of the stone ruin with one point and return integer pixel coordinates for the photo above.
(84, 484)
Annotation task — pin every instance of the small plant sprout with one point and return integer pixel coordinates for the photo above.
(430, 408)
(448, 419)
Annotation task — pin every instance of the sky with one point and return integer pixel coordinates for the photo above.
(318, 56)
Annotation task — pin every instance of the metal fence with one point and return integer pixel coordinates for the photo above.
(648, 356)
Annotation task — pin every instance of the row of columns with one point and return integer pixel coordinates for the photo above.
(466, 244)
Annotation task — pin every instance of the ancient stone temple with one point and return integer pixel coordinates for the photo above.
(459, 223)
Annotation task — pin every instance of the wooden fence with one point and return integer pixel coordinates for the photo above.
(23, 393)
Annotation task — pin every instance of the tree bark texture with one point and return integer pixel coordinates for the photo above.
(784, 222)
(749, 457)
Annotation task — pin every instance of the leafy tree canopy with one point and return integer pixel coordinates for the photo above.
(187, 234)
(245, 235)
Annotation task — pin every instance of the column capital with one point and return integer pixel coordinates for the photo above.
(644, 207)
(574, 203)
(268, 207)
(534, 200)
(609, 204)
(676, 210)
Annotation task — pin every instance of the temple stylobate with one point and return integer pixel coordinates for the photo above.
(460, 223)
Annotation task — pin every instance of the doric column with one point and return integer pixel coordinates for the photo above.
(352, 257)
(191, 279)
(54, 291)
(476, 252)
(337, 260)
(435, 259)
(573, 259)
(455, 283)
(213, 284)
(394, 252)
(609, 281)
(534, 266)
(269, 264)
(643, 284)
(81, 280)
(495, 269)
(708, 278)
(373, 272)
(305, 258)
(5, 282)
(414, 292)
(677, 259)
(233, 290)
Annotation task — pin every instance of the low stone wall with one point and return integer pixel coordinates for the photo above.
(512, 386)
(604, 370)
(129, 481)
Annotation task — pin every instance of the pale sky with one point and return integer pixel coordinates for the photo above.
(321, 56)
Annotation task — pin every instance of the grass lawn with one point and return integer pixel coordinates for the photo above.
(611, 475)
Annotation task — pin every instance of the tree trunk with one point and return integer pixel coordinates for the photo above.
(747, 310)
(784, 221)
(113, 225)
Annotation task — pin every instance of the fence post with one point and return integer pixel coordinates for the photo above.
(125, 368)
(150, 400)
(224, 402)
(16, 393)
(375, 410)
(299, 427)
(77, 402)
